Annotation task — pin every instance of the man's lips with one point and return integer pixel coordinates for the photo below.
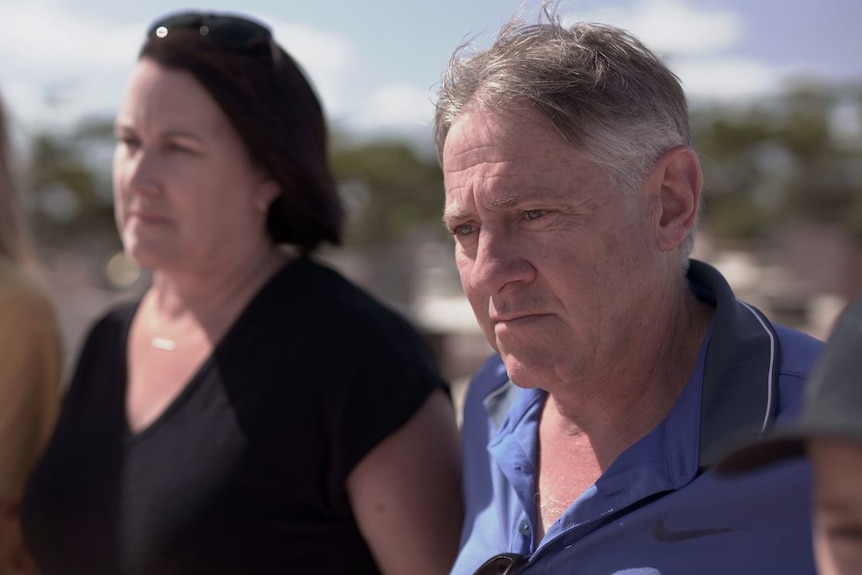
(510, 319)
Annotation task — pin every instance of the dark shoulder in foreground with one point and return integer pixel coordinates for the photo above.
(314, 288)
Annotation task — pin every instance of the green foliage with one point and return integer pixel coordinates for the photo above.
(738, 217)
(389, 189)
(780, 159)
(66, 189)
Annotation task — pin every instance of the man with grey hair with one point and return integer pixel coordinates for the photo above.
(623, 367)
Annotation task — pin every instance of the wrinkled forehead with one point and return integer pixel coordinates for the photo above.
(490, 134)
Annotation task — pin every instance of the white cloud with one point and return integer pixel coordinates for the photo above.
(328, 60)
(670, 27)
(396, 106)
(55, 67)
(699, 45)
(36, 38)
(726, 79)
(673, 26)
(58, 63)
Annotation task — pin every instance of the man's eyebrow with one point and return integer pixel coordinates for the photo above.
(454, 214)
(509, 200)
(513, 199)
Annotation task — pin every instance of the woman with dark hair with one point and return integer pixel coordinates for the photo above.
(254, 412)
(31, 361)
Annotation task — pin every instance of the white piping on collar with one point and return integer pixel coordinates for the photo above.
(771, 371)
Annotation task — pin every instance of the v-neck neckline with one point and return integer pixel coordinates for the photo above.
(198, 376)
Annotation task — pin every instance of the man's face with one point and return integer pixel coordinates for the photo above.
(837, 505)
(558, 265)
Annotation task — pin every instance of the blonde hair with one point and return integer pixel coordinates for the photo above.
(14, 240)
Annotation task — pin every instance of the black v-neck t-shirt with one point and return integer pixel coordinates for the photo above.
(245, 471)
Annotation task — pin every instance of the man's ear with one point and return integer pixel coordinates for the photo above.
(676, 182)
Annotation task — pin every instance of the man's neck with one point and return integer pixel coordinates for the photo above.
(622, 405)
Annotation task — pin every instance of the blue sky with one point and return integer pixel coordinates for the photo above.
(376, 63)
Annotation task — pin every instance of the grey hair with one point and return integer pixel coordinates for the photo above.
(604, 91)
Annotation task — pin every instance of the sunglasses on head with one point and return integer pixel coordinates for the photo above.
(234, 32)
(502, 564)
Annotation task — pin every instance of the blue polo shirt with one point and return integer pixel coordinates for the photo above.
(658, 509)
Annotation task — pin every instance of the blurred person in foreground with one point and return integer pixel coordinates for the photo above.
(31, 361)
(829, 432)
(572, 192)
(253, 412)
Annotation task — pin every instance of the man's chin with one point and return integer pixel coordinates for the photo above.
(522, 373)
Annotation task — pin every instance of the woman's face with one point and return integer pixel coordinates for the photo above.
(187, 195)
(837, 505)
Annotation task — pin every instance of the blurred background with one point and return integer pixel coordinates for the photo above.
(775, 94)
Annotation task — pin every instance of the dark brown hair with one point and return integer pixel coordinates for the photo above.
(274, 109)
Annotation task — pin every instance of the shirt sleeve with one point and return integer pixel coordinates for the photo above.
(381, 387)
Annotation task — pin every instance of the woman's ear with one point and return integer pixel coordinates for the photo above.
(677, 180)
(266, 193)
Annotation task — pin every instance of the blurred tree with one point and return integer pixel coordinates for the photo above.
(790, 158)
(787, 159)
(67, 189)
(825, 185)
(729, 143)
(389, 190)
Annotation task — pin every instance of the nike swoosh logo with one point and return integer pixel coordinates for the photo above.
(665, 535)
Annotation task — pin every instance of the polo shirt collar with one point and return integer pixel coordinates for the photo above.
(740, 379)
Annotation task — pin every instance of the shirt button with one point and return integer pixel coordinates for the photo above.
(524, 527)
